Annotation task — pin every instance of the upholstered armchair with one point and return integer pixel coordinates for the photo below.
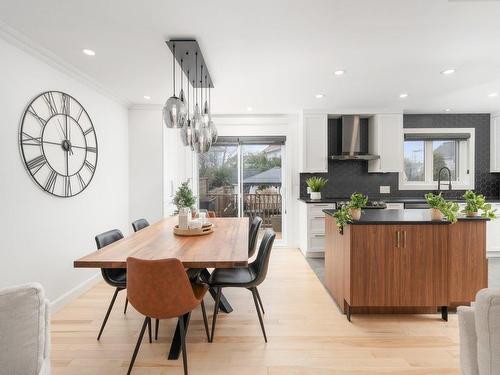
(479, 327)
(24, 331)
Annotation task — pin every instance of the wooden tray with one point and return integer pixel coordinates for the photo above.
(206, 229)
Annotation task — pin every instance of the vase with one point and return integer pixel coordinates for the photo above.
(471, 213)
(436, 215)
(315, 195)
(355, 213)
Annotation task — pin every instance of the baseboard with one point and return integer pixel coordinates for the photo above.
(74, 293)
(493, 254)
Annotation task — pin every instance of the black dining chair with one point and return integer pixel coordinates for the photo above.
(140, 224)
(248, 278)
(116, 277)
(252, 235)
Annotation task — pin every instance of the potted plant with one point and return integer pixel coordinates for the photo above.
(475, 202)
(184, 197)
(316, 184)
(441, 208)
(342, 217)
(357, 202)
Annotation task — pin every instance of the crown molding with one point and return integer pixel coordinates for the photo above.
(21, 41)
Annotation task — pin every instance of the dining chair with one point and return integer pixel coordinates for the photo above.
(160, 289)
(252, 235)
(116, 277)
(248, 278)
(140, 224)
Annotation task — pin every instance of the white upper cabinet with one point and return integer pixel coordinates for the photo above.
(314, 146)
(495, 143)
(385, 139)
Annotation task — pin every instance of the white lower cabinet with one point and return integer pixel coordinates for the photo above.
(312, 228)
(493, 234)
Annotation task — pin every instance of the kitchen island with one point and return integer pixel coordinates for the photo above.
(400, 261)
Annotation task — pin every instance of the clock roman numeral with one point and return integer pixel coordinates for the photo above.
(33, 113)
(90, 166)
(51, 181)
(65, 104)
(88, 131)
(67, 186)
(81, 180)
(91, 149)
(51, 103)
(34, 165)
(28, 140)
(79, 114)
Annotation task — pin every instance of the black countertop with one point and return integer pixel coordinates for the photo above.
(415, 216)
(388, 199)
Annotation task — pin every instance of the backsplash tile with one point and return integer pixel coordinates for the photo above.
(346, 177)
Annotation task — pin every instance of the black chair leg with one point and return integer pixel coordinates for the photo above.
(108, 312)
(157, 325)
(255, 300)
(149, 331)
(216, 310)
(205, 320)
(183, 343)
(126, 304)
(138, 345)
(260, 301)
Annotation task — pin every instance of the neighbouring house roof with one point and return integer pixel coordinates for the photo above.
(271, 176)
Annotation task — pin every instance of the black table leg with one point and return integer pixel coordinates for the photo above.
(224, 304)
(444, 313)
(175, 347)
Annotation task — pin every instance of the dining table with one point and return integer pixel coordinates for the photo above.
(225, 247)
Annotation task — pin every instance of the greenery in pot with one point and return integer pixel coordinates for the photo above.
(316, 184)
(184, 196)
(448, 209)
(475, 202)
(342, 217)
(357, 202)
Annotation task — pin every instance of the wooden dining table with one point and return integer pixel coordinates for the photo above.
(226, 247)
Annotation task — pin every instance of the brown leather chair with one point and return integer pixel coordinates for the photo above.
(160, 289)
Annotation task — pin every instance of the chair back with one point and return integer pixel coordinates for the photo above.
(261, 263)
(252, 235)
(110, 275)
(140, 224)
(159, 289)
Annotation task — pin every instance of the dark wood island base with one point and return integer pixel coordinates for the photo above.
(402, 262)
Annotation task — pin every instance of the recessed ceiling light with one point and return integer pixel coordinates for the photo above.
(249, 109)
(447, 72)
(403, 95)
(447, 110)
(339, 72)
(319, 96)
(147, 97)
(89, 52)
(493, 94)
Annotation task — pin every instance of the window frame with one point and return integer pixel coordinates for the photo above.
(466, 161)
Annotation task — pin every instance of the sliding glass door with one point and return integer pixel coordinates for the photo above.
(243, 176)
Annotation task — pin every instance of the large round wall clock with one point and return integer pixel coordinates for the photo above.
(58, 144)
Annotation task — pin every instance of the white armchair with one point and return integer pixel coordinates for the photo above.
(24, 331)
(479, 327)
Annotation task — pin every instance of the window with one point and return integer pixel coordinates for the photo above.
(427, 151)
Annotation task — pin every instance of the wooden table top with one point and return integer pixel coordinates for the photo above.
(226, 247)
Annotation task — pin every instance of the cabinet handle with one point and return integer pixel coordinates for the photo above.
(319, 235)
(319, 217)
(398, 237)
(404, 239)
(321, 205)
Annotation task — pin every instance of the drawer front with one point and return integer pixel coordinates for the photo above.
(316, 209)
(317, 242)
(317, 224)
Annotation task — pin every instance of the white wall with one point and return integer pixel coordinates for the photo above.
(41, 235)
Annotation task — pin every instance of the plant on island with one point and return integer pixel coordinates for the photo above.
(442, 208)
(342, 217)
(475, 202)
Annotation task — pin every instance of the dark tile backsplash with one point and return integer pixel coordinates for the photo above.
(346, 177)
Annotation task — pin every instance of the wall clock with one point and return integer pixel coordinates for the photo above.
(58, 144)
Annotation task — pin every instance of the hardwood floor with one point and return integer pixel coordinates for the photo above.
(306, 332)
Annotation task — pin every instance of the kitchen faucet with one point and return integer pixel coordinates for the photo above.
(439, 179)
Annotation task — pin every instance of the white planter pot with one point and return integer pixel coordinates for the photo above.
(316, 195)
(355, 213)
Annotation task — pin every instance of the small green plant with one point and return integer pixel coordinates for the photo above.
(342, 217)
(316, 183)
(475, 202)
(184, 196)
(358, 200)
(448, 209)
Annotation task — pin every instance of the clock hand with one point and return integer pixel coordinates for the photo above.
(63, 133)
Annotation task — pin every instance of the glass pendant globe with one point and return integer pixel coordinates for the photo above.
(187, 133)
(204, 139)
(174, 113)
(213, 131)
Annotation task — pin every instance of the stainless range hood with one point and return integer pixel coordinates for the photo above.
(351, 141)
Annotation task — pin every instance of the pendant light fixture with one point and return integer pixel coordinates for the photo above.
(211, 124)
(197, 121)
(204, 137)
(174, 110)
(187, 130)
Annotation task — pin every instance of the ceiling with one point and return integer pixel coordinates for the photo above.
(275, 56)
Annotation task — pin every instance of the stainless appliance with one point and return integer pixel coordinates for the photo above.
(416, 205)
(370, 205)
(351, 141)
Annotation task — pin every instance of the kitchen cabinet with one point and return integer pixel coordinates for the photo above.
(314, 146)
(495, 143)
(385, 138)
(493, 234)
(312, 228)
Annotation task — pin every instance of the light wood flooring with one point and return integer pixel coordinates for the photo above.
(307, 335)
